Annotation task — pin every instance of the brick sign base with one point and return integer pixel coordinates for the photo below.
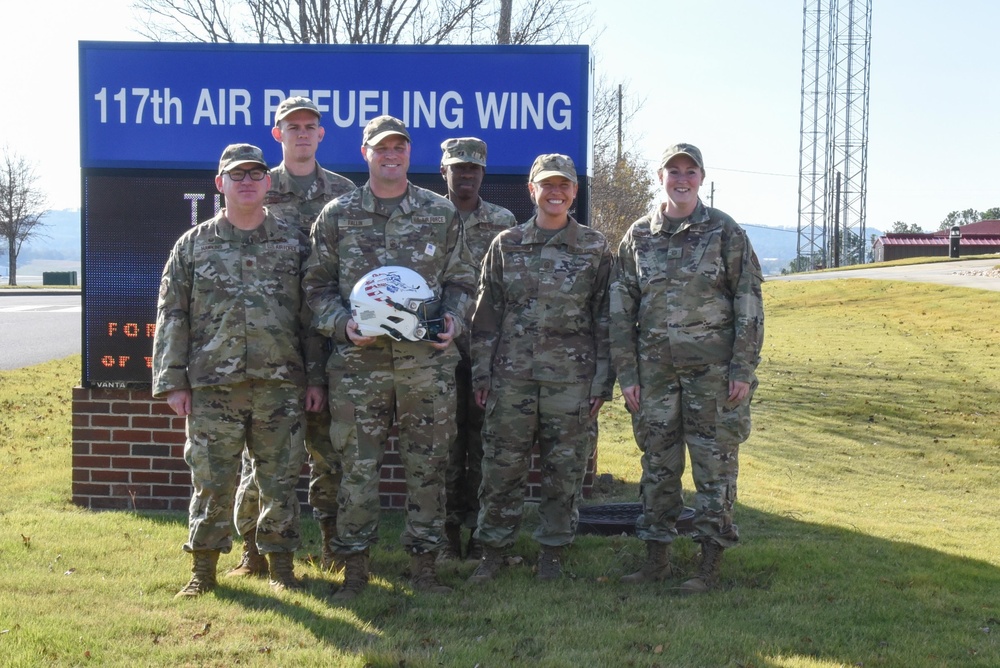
(128, 453)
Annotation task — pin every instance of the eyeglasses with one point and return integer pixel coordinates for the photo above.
(240, 174)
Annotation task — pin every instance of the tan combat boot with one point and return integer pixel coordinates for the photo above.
(356, 567)
(253, 563)
(452, 549)
(656, 568)
(282, 571)
(328, 530)
(489, 566)
(202, 573)
(550, 563)
(474, 550)
(708, 570)
(423, 574)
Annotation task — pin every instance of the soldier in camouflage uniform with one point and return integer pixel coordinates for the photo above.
(463, 165)
(541, 367)
(688, 329)
(231, 329)
(300, 188)
(389, 221)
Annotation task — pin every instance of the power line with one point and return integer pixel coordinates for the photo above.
(713, 168)
(768, 227)
(749, 171)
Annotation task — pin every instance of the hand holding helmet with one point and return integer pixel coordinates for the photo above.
(396, 301)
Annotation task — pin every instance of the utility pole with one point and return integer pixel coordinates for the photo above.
(836, 225)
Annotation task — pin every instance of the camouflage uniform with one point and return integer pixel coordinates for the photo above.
(231, 327)
(464, 475)
(289, 203)
(688, 318)
(541, 348)
(408, 380)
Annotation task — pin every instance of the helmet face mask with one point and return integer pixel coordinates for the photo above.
(396, 301)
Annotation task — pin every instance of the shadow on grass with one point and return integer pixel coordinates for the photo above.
(793, 591)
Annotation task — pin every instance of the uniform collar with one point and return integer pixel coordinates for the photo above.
(658, 220)
(568, 235)
(225, 230)
(368, 198)
(283, 182)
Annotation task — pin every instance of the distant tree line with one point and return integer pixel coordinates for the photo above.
(954, 218)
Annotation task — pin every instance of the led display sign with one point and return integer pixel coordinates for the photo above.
(155, 118)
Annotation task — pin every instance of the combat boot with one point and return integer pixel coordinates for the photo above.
(488, 567)
(202, 573)
(656, 568)
(708, 570)
(328, 531)
(253, 563)
(550, 563)
(356, 567)
(474, 550)
(423, 574)
(452, 549)
(282, 571)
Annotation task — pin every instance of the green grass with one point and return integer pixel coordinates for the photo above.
(867, 510)
(907, 261)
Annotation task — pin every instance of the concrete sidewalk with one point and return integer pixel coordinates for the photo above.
(981, 274)
(30, 292)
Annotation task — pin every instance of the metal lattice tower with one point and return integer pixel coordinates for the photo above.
(833, 144)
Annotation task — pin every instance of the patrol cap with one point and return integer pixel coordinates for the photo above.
(381, 127)
(238, 154)
(552, 164)
(463, 149)
(290, 104)
(682, 149)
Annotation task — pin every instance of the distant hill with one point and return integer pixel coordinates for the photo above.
(59, 238)
(776, 247)
(57, 248)
(60, 245)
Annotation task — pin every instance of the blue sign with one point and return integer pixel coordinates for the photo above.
(155, 118)
(175, 106)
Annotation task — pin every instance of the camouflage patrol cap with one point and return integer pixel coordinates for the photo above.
(682, 149)
(463, 149)
(238, 154)
(290, 104)
(381, 127)
(552, 164)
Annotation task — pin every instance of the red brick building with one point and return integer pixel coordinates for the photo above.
(979, 238)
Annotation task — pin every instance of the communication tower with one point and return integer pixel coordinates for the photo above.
(833, 142)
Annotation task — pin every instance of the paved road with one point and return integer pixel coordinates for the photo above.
(961, 273)
(38, 327)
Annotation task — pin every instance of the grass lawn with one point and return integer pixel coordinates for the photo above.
(867, 509)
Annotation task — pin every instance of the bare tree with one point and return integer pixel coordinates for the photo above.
(622, 188)
(22, 205)
(365, 21)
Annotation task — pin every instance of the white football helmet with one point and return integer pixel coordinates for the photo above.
(396, 301)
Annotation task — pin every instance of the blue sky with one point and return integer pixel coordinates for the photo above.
(722, 74)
